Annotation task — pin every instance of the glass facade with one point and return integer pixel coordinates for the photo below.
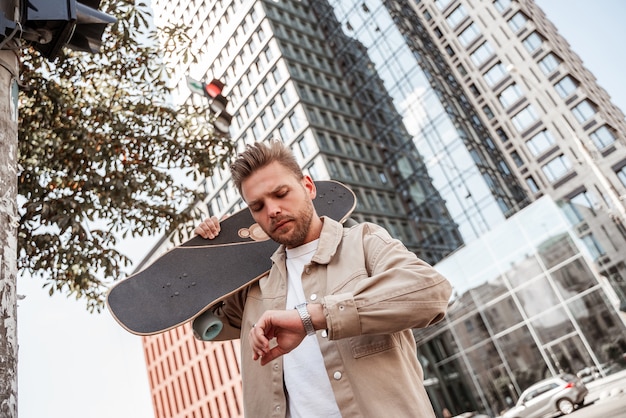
(528, 303)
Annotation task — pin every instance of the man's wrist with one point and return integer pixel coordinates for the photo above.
(306, 318)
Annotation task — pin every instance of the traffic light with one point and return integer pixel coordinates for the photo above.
(213, 91)
(50, 25)
(217, 102)
(222, 122)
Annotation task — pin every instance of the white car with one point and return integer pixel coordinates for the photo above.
(549, 397)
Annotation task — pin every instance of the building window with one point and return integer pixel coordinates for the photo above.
(594, 247)
(621, 174)
(474, 90)
(275, 108)
(584, 111)
(502, 135)
(285, 97)
(469, 35)
(305, 149)
(540, 142)
(502, 5)
(524, 118)
(517, 159)
(334, 170)
(256, 132)
(265, 120)
(494, 74)
(518, 21)
(510, 96)
(359, 172)
(371, 201)
(602, 137)
(481, 54)
(347, 173)
(532, 184)
(504, 168)
(313, 170)
(557, 168)
(239, 120)
(549, 63)
(456, 17)
(442, 4)
(566, 86)
(258, 98)
(488, 112)
(532, 42)
(579, 206)
(282, 132)
(248, 109)
(293, 120)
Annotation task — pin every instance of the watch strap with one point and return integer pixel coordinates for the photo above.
(306, 318)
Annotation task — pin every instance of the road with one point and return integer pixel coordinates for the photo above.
(606, 398)
(613, 407)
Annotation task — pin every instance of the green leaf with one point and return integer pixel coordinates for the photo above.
(97, 139)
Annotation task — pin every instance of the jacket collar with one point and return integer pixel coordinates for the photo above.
(330, 237)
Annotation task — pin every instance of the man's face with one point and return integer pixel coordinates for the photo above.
(282, 204)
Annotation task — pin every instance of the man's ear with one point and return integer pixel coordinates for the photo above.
(309, 186)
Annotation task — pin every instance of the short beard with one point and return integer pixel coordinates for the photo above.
(303, 220)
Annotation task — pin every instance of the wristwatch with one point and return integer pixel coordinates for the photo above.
(306, 318)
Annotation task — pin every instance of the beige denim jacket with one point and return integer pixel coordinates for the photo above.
(373, 291)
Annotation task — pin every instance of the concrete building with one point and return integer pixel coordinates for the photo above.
(451, 120)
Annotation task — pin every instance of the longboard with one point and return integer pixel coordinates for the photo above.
(192, 278)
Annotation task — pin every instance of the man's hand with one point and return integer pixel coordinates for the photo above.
(286, 326)
(209, 228)
(288, 329)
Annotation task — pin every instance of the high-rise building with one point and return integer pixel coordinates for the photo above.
(473, 133)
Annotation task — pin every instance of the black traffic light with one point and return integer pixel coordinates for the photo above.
(213, 91)
(217, 103)
(52, 24)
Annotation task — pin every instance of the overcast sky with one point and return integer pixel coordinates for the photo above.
(76, 365)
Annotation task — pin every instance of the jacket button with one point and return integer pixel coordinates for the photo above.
(337, 375)
(313, 296)
(325, 334)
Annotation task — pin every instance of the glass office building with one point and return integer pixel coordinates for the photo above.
(459, 125)
(528, 303)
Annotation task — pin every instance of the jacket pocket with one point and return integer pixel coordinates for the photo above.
(367, 345)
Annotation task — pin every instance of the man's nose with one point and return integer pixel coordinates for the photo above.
(273, 209)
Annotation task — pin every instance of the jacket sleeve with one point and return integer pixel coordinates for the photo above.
(389, 290)
(230, 313)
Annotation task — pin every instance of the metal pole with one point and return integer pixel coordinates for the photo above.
(9, 71)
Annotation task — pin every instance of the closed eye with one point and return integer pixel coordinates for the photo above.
(255, 208)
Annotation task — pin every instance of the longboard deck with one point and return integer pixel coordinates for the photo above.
(191, 278)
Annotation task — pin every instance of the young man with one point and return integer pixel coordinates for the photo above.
(347, 350)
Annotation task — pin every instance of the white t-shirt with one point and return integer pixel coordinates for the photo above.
(309, 393)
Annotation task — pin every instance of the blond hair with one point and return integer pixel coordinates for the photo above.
(259, 155)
